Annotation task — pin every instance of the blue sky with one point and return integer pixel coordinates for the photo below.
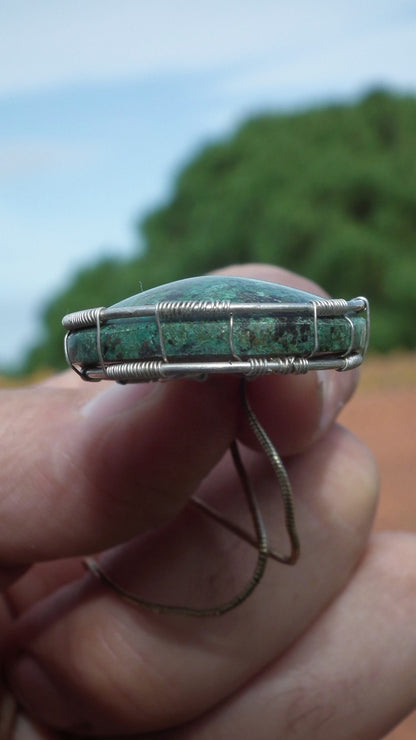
(101, 102)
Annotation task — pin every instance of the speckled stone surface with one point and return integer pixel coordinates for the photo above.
(207, 339)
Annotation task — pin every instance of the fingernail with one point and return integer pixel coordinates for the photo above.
(117, 399)
(39, 695)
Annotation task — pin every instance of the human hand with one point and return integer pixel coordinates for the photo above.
(322, 650)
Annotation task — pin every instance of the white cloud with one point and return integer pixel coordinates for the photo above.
(25, 156)
(382, 56)
(48, 43)
(45, 43)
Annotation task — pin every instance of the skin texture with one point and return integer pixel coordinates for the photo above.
(322, 649)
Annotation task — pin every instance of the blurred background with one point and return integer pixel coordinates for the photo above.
(144, 142)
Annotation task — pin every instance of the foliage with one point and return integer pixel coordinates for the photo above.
(329, 193)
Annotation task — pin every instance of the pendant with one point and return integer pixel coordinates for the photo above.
(209, 325)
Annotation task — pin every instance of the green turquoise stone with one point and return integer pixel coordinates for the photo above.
(137, 338)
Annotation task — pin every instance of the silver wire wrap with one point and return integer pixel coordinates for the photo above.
(137, 371)
(171, 310)
(82, 319)
(166, 311)
(128, 372)
(185, 310)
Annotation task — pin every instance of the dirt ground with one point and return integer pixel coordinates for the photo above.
(383, 415)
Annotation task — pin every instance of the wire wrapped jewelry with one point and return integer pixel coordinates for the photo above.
(209, 325)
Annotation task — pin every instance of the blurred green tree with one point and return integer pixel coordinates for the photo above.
(328, 192)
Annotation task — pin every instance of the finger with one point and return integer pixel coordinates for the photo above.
(352, 675)
(7, 712)
(65, 380)
(77, 475)
(40, 580)
(26, 729)
(295, 410)
(105, 665)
